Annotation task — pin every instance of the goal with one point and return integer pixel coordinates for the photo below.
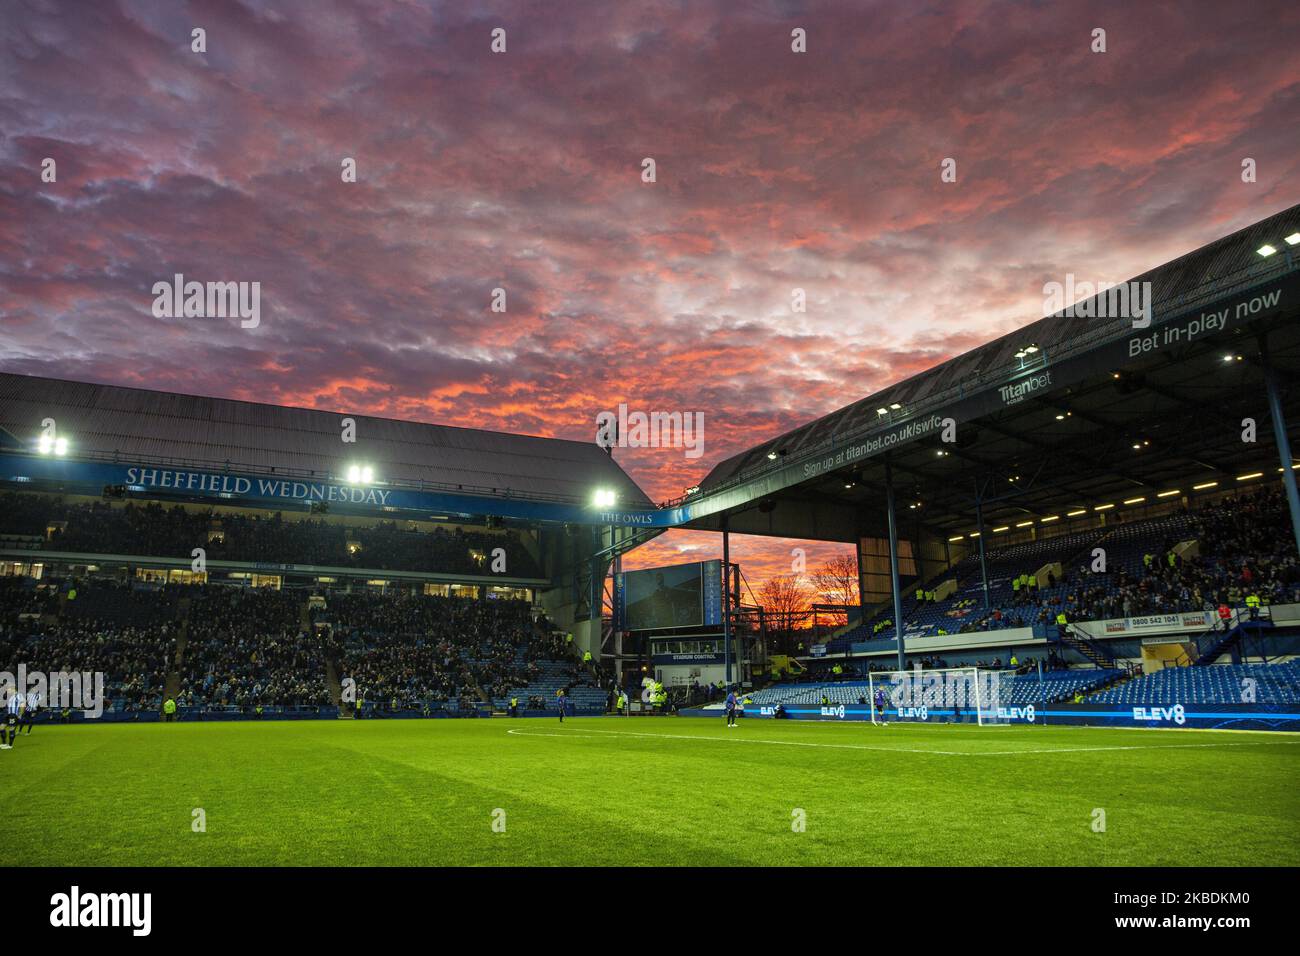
(967, 695)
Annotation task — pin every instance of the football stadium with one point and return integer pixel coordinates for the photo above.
(254, 635)
(600, 463)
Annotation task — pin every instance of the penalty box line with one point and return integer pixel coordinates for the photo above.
(592, 732)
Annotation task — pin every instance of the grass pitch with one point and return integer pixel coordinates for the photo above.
(657, 791)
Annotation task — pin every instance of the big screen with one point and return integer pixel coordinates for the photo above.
(664, 597)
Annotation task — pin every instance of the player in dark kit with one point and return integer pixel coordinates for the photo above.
(731, 709)
(13, 712)
(880, 708)
(563, 700)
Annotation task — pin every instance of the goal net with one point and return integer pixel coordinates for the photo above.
(966, 695)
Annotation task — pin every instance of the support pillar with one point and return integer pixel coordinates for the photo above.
(893, 567)
(979, 526)
(1283, 446)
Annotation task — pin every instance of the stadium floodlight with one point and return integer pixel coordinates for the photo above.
(605, 498)
(771, 455)
(1253, 474)
(957, 537)
(1051, 518)
(1103, 507)
(1293, 239)
(1168, 494)
(882, 411)
(1134, 501)
(1031, 348)
(48, 445)
(895, 406)
(360, 474)
(1001, 529)
(1075, 514)
(1023, 524)
(1205, 485)
(1266, 250)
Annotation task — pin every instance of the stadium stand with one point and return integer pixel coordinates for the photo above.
(152, 529)
(1054, 687)
(1220, 684)
(227, 651)
(1243, 543)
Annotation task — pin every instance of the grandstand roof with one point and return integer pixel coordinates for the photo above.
(108, 422)
(1056, 429)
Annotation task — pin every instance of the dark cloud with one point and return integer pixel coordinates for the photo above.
(522, 170)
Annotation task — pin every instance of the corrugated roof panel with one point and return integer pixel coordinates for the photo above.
(1223, 262)
(137, 423)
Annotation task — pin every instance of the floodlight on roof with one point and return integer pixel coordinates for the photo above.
(1293, 239)
(1266, 250)
(360, 474)
(48, 444)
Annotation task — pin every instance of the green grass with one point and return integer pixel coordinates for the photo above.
(645, 791)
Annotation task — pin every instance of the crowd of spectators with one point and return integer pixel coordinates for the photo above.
(156, 530)
(399, 651)
(248, 648)
(1244, 548)
(133, 659)
(426, 651)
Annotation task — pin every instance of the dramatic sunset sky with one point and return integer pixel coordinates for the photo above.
(775, 171)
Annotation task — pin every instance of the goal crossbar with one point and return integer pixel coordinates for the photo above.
(957, 694)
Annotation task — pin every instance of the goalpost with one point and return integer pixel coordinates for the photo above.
(968, 695)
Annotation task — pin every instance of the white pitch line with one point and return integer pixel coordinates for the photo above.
(592, 731)
(753, 740)
(1070, 750)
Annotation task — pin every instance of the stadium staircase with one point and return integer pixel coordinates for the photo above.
(172, 686)
(335, 686)
(1094, 651)
(1225, 642)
